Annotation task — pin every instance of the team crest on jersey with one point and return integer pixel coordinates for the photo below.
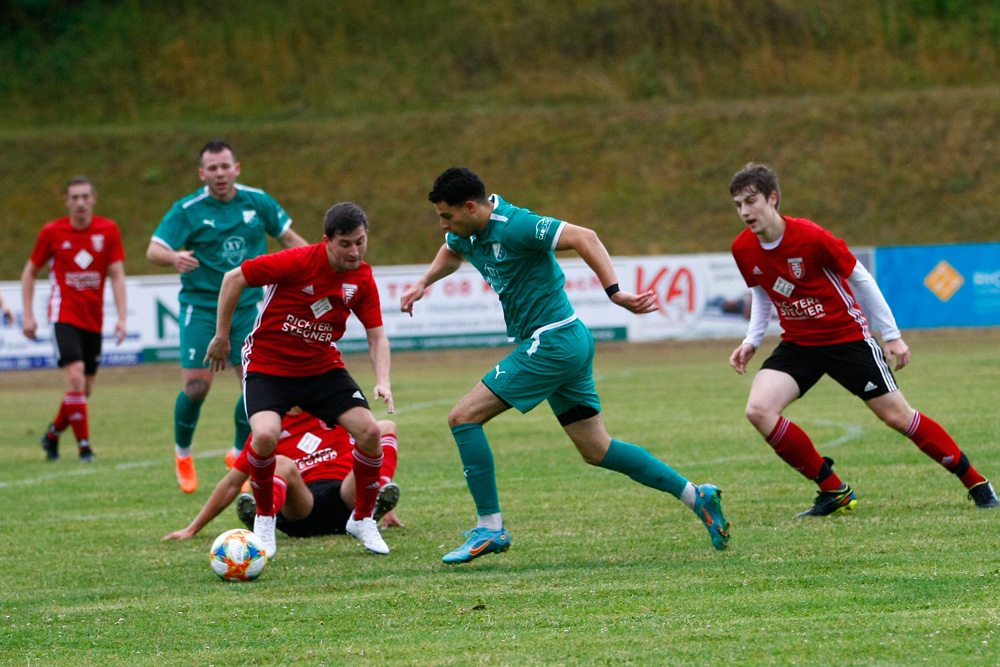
(249, 217)
(98, 242)
(349, 292)
(309, 443)
(83, 259)
(499, 252)
(234, 249)
(796, 267)
(542, 228)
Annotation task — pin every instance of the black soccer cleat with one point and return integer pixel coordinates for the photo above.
(984, 496)
(829, 503)
(246, 509)
(50, 443)
(87, 454)
(388, 498)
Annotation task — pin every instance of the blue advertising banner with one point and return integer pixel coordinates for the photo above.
(942, 285)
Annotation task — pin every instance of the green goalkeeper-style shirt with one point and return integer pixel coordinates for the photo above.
(515, 253)
(221, 235)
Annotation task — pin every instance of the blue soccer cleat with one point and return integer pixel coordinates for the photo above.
(481, 541)
(708, 507)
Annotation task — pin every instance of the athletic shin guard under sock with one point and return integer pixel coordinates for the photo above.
(186, 414)
(643, 467)
(477, 462)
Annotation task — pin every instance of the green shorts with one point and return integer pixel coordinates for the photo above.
(198, 330)
(555, 365)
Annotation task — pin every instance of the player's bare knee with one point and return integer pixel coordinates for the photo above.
(196, 389)
(457, 417)
(898, 420)
(368, 439)
(758, 414)
(387, 427)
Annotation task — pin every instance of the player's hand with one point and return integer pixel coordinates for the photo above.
(119, 332)
(413, 293)
(185, 261)
(217, 356)
(390, 519)
(640, 304)
(385, 393)
(184, 534)
(8, 314)
(28, 325)
(741, 357)
(899, 350)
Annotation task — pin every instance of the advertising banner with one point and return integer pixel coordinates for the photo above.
(697, 295)
(941, 285)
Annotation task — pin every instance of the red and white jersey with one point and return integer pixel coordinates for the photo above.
(78, 262)
(319, 452)
(806, 277)
(304, 312)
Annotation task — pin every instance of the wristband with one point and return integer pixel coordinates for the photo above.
(611, 290)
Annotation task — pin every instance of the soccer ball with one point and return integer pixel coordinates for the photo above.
(238, 555)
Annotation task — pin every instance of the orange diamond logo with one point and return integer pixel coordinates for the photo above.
(944, 280)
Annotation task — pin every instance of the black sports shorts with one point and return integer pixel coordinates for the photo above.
(859, 366)
(325, 396)
(76, 344)
(329, 514)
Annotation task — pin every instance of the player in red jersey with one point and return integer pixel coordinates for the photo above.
(291, 357)
(811, 278)
(81, 250)
(314, 484)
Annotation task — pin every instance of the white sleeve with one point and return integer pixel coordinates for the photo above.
(760, 316)
(870, 296)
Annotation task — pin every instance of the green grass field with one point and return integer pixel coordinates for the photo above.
(601, 571)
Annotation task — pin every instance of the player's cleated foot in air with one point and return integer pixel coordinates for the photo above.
(481, 541)
(388, 498)
(708, 507)
(246, 509)
(366, 530)
(984, 496)
(829, 503)
(263, 527)
(50, 443)
(186, 476)
(87, 454)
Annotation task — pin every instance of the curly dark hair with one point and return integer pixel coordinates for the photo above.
(457, 185)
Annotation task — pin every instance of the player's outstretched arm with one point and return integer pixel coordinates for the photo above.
(588, 245)
(233, 284)
(445, 263)
(223, 494)
(378, 350)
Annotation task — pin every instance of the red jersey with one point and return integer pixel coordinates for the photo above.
(78, 262)
(304, 312)
(319, 452)
(806, 278)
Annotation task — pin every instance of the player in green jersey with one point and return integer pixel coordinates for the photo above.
(203, 236)
(513, 249)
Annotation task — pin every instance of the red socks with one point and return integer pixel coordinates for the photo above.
(935, 442)
(262, 480)
(390, 456)
(796, 449)
(367, 470)
(73, 412)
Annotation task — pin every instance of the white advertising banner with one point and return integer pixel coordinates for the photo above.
(699, 296)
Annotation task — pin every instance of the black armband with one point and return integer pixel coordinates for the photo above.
(611, 290)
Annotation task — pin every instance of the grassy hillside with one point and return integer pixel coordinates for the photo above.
(882, 118)
(877, 168)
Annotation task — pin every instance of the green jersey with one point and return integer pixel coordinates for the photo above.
(221, 235)
(515, 254)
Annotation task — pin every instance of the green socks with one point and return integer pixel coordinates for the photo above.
(242, 425)
(477, 462)
(186, 414)
(643, 467)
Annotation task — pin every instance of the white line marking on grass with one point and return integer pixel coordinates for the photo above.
(91, 469)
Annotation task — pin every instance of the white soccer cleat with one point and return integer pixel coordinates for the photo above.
(263, 527)
(366, 530)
